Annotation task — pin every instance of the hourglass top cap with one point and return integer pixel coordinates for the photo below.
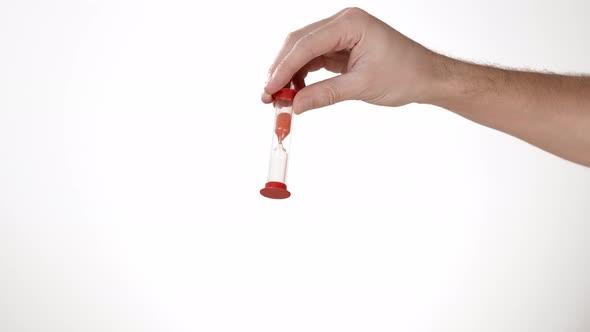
(284, 94)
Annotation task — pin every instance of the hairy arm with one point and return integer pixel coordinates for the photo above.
(546, 110)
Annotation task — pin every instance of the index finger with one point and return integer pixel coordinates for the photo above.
(293, 37)
(335, 35)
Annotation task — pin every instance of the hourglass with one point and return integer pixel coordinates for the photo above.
(281, 139)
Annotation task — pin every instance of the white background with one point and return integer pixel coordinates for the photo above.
(133, 145)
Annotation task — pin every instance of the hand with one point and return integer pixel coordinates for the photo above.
(376, 63)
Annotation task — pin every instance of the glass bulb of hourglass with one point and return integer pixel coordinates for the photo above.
(283, 126)
(278, 164)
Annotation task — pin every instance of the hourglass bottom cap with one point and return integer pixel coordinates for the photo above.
(275, 190)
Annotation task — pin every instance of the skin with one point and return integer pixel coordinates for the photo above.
(379, 65)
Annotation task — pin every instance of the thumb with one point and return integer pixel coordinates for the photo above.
(328, 92)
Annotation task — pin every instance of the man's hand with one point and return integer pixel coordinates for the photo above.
(377, 64)
(381, 66)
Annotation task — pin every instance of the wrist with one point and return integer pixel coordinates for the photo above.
(443, 81)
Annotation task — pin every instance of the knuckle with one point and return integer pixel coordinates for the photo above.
(330, 95)
(292, 37)
(355, 12)
(353, 20)
(284, 66)
(305, 45)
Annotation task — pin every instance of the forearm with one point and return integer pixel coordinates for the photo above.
(549, 111)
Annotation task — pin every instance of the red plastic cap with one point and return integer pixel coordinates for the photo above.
(285, 94)
(275, 190)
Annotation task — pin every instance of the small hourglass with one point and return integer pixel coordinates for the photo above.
(275, 186)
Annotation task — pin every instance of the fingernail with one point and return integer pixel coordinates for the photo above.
(265, 96)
